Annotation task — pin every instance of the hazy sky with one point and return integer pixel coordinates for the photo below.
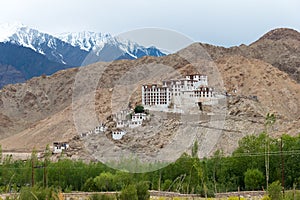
(219, 22)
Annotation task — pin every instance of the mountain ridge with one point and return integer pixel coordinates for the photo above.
(57, 47)
(70, 50)
(279, 47)
(281, 33)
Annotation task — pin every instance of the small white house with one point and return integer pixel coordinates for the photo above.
(122, 123)
(117, 135)
(137, 119)
(59, 147)
(100, 129)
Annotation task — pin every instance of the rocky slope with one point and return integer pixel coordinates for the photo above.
(39, 112)
(38, 98)
(18, 64)
(279, 47)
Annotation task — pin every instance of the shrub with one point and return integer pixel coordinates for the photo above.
(266, 198)
(274, 191)
(104, 182)
(28, 193)
(253, 179)
(129, 193)
(139, 109)
(89, 185)
(166, 185)
(142, 191)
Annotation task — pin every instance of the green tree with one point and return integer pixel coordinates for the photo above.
(249, 155)
(253, 179)
(142, 189)
(122, 179)
(274, 191)
(34, 193)
(166, 185)
(269, 121)
(291, 160)
(139, 109)
(46, 163)
(89, 185)
(34, 163)
(0, 154)
(195, 149)
(129, 193)
(104, 182)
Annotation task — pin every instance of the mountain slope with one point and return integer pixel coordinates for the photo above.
(53, 48)
(25, 104)
(44, 124)
(18, 64)
(279, 47)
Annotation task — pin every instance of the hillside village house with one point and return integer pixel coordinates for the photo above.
(125, 118)
(117, 135)
(100, 129)
(59, 147)
(192, 90)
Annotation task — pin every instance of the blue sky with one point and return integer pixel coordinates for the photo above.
(219, 22)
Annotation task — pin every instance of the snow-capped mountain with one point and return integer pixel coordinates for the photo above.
(20, 34)
(105, 47)
(73, 48)
(53, 48)
(27, 52)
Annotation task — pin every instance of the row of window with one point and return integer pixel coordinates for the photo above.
(156, 90)
(147, 100)
(156, 103)
(207, 95)
(139, 117)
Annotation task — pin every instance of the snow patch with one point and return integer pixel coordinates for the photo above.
(8, 29)
(86, 40)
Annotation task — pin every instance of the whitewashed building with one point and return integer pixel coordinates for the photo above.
(153, 94)
(100, 129)
(191, 90)
(122, 117)
(127, 118)
(117, 135)
(59, 147)
(137, 119)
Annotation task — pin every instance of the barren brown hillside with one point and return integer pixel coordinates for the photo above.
(22, 105)
(275, 92)
(279, 47)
